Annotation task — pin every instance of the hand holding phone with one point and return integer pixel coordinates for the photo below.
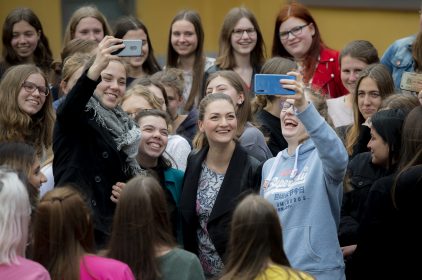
(269, 84)
(132, 48)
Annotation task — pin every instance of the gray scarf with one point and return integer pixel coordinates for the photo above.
(124, 131)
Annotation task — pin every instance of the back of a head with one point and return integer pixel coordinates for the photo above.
(255, 237)
(63, 231)
(135, 237)
(78, 45)
(15, 213)
(412, 139)
(404, 101)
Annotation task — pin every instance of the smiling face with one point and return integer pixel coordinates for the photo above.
(350, 69)
(183, 38)
(32, 103)
(153, 141)
(89, 28)
(379, 149)
(369, 97)
(219, 123)
(113, 84)
(222, 85)
(297, 45)
(139, 34)
(36, 177)
(24, 39)
(245, 42)
(292, 128)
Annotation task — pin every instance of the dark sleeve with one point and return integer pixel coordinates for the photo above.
(361, 144)
(74, 104)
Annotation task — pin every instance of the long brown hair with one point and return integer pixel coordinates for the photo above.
(411, 152)
(255, 239)
(199, 63)
(297, 10)
(385, 84)
(141, 224)
(42, 55)
(17, 125)
(225, 59)
(63, 232)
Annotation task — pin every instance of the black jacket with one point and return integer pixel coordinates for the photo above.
(243, 175)
(86, 155)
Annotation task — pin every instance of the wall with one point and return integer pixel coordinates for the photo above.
(338, 26)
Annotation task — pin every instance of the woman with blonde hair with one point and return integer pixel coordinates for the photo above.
(15, 212)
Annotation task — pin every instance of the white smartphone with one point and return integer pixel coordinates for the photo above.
(132, 48)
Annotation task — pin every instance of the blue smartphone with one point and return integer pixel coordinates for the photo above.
(269, 84)
(132, 48)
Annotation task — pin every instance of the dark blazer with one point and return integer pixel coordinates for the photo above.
(86, 155)
(243, 175)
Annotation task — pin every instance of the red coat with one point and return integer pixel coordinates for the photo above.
(327, 74)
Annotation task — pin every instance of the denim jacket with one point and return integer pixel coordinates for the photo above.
(398, 58)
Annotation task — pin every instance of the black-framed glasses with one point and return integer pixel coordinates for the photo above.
(31, 87)
(295, 31)
(285, 105)
(239, 32)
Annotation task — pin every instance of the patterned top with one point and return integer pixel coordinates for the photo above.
(209, 186)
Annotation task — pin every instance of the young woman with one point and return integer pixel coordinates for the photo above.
(154, 127)
(296, 35)
(183, 124)
(212, 185)
(149, 249)
(185, 51)
(242, 47)
(130, 28)
(266, 108)
(373, 86)
(354, 57)
(304, 183)
(88, 23)
(26, 113)
(64, 239)
(250, 137)
(389, 229)
(23, 158)
(15, 211)
(95, 142)
(24, 41)
(139, 98)
(256, 244)
(364, 169)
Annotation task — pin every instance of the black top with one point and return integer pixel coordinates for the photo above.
(86, 155)
(271, 127)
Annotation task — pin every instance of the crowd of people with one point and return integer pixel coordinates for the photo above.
(121, 168)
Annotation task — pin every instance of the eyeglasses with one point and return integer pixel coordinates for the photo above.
(31, 87)
(239, 32)
(295, 31)
(285, 105)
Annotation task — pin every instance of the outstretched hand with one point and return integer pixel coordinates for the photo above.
(297, 85)
(104, 54)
